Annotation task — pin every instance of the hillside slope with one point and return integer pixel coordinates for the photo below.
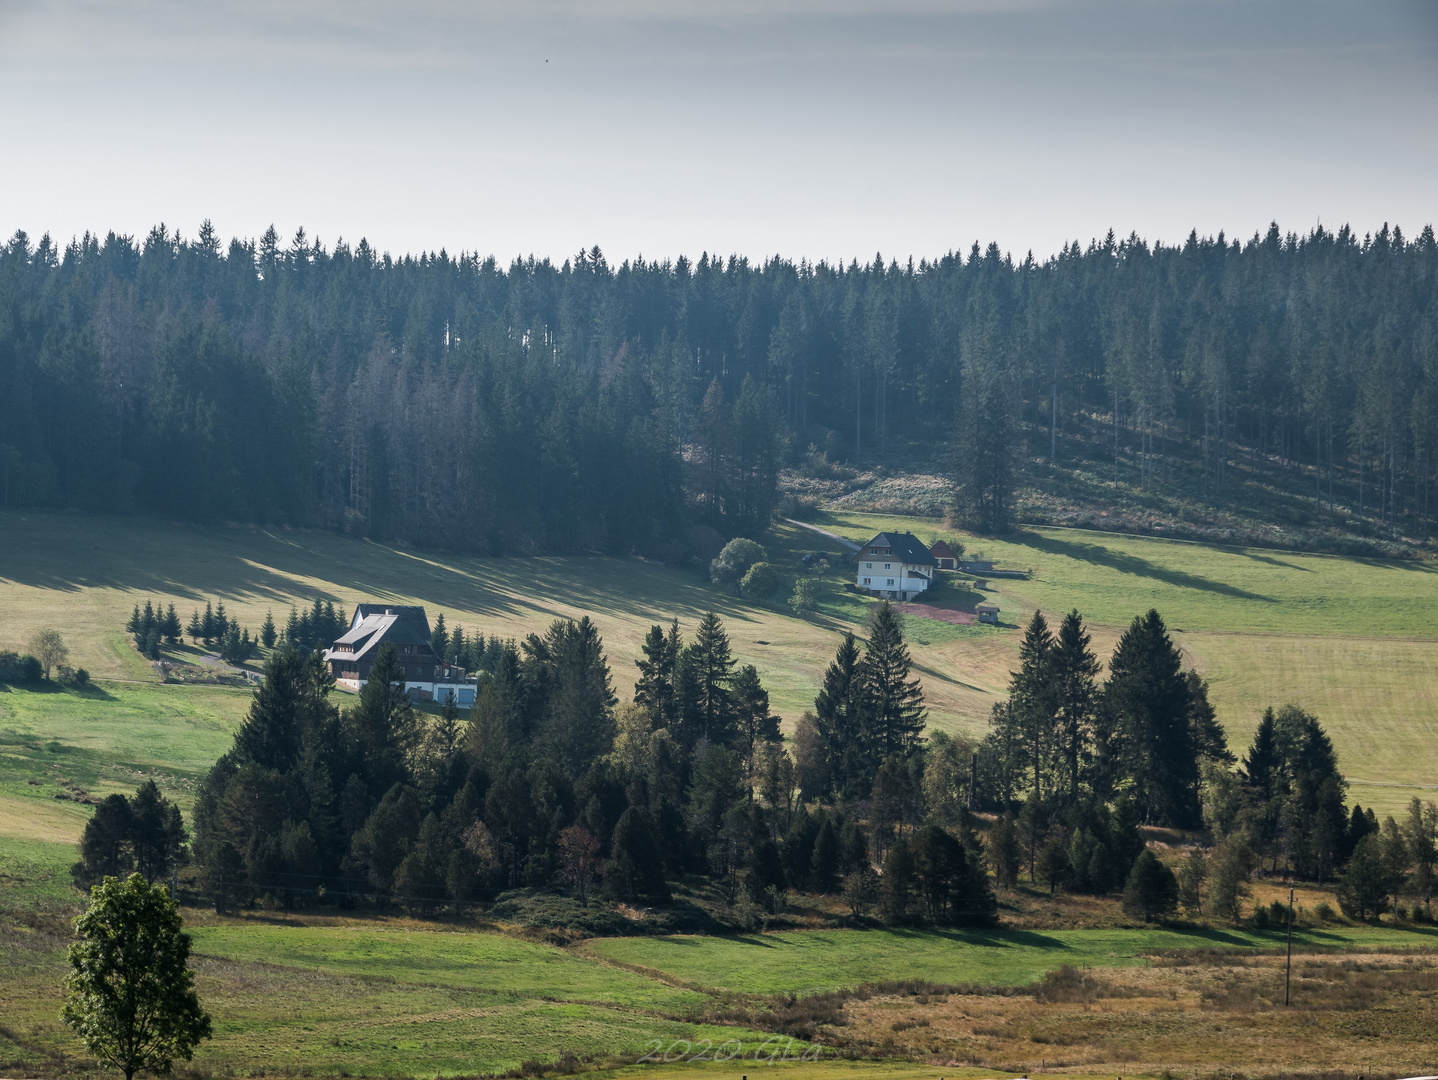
(1355, 640)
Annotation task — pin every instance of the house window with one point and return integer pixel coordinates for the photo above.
(868, 566)
(891, 581)
(866, 581)
(873, 551)
(887, 566)
(888, 551)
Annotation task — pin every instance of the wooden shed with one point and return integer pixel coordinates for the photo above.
(988, 613)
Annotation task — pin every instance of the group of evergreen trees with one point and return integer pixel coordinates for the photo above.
(452, 401)
(472, 652)
(151, 627)
(868, 713)
(551, 783)
(1062, 739)
(144, 833)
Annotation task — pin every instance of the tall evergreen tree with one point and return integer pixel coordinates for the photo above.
(1149, 695)
(654, 689)
(708, 705)
(1033, 700)
(1075, 669)
(839, 719)
(893, 704)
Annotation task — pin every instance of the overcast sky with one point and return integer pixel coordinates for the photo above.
(815, 129)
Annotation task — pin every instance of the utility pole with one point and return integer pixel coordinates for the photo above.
(1288, 972)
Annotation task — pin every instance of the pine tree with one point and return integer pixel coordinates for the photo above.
(147, 621)
(839, 721)
(439, 637)
(1149, 695)
(1003, 849)
(1074, 668)
(172, 628)
(893, 703)
(1033, 701)
(1151, 891)
(195, 629)
(708, 712)
(132, 624)
(267, 631)
(208, 628)
(457, 648)
(654, 689)
(294, 636)
(222, 621)
(755, 723)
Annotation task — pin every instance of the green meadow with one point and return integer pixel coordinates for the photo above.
(1354, 640)
(814, 961)
(376, 1000)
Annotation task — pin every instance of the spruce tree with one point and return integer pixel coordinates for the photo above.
(1033, 700)
(457, 653)
(195, 629)
(753, 720)
(172, 628)
(1151, 891)
(132, 624)
(267, 631)
(1074, 667)
(438, 638)
(893, 703)
(208, 628)
(1149, 695)
(709, 712)
(839, 720)
(654, 689)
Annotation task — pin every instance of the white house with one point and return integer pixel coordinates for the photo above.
(896, 566)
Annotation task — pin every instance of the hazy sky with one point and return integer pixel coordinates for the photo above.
(813, 129)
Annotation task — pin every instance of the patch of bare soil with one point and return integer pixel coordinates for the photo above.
(957, 616)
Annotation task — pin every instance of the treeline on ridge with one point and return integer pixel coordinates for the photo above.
(451, 401)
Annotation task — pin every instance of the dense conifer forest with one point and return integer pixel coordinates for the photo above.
(451, 401)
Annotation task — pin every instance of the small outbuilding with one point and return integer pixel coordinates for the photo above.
(944, 555)
(988, 613)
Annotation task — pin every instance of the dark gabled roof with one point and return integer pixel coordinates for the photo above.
(941, 550)
(375, 624)
(907, 548)
(412, 615)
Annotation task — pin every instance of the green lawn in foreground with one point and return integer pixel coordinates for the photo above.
(490, 962)
(376, 1001)
(813, 961)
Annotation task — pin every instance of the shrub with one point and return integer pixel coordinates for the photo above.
(802, 599)
(734, 561)
(19, 669)
(1323, 911)
(82, 678)
(761, 581)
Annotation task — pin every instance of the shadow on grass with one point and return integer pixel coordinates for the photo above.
(193, 563)
(1098, 555)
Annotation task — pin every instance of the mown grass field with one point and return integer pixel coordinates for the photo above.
(1355, 640)
(814, 961)
(375, 1000)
